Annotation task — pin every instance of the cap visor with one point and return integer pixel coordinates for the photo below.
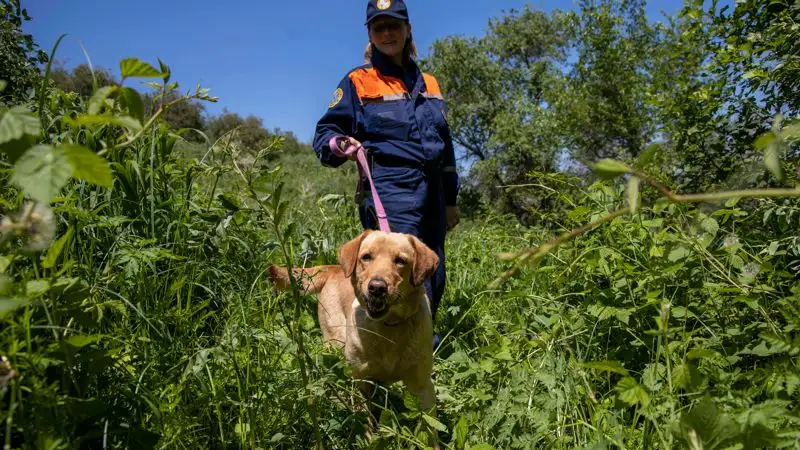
(386, 13)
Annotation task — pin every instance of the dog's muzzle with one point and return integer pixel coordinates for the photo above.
(377, 292)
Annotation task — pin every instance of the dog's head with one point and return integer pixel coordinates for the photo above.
(385, 269)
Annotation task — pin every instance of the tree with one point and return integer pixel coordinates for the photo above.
(181, 115)
(604, 108)
(498, 93)
(250, 131)
(19, 54)
(82, 78)
(724, 75)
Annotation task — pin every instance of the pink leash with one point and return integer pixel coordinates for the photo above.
(363, 169)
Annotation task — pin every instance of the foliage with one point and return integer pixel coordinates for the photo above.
(691, 95)
(82, 79)
(498, 91)
(604, 109)
(249, 131)
(19, 53)
(134, 310)
(181, 115)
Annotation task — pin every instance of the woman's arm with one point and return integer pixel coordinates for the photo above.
(450, 181)
(338, 121)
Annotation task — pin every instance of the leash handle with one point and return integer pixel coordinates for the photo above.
(363, 168)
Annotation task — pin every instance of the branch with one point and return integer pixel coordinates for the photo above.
(535, 253)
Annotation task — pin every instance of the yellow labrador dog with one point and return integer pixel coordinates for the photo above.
(374, 306)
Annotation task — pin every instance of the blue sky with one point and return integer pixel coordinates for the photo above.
(279, 60)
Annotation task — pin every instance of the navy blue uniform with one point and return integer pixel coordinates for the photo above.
(398, 114)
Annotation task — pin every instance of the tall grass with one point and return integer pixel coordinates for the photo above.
(147, 322)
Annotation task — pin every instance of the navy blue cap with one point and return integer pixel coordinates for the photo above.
(391, 8)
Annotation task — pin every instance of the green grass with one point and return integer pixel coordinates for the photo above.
(149, 322)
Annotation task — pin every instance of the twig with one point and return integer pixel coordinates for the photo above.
(146, 126)
(538, 252)
(534, 253)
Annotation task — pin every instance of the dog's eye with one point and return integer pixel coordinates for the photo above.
(366, 257)
(400, 261)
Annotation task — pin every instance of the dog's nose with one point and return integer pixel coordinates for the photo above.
(377, 287)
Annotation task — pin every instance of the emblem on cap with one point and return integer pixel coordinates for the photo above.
(383, 4)
(337, 97)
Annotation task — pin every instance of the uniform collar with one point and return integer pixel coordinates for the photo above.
(409, 70)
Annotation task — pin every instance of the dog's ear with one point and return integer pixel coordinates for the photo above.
(348, 254)
(425, 262)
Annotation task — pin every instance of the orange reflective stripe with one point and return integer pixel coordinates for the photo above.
(370, 84)
(432, 86)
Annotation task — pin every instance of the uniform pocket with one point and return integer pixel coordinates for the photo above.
(388, 120)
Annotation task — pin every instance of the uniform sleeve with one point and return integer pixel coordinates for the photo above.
(449, 173)
(338, 120)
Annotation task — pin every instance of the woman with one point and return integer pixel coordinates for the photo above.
(398, 114)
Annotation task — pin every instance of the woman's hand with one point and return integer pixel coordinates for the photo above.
(345, 143)
(453, 217)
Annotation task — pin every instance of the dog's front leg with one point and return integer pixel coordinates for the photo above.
(367, 390)
(423, 390)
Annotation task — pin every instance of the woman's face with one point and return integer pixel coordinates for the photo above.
(389, 35)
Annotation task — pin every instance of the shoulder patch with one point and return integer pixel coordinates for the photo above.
(337, 97)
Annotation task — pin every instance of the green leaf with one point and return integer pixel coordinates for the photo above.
(99, 99)
(764, 140)
(3, 84)
(608, 169)
(6, 285)
(646, 157)
(624, 315)
(88, 166)
(136, 68)
(460, 433)
(434, 423)
(5, 261)
(131, 101)
(166, 72)
(9, 304)
(41, 172)
(700, 353)
(35, 288)
(242, 429)
(229, 201)
(791, 132)
(710, 225)
(55, 250)
(772, 159)
(18, 122)
(678, 254)
(631, 393)
(686, 376)
(481, 447)
(82, 340)
(607, 366)
(123, 121)
(705, 428)
(633, 194)
(755, 73)
(410, 401)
